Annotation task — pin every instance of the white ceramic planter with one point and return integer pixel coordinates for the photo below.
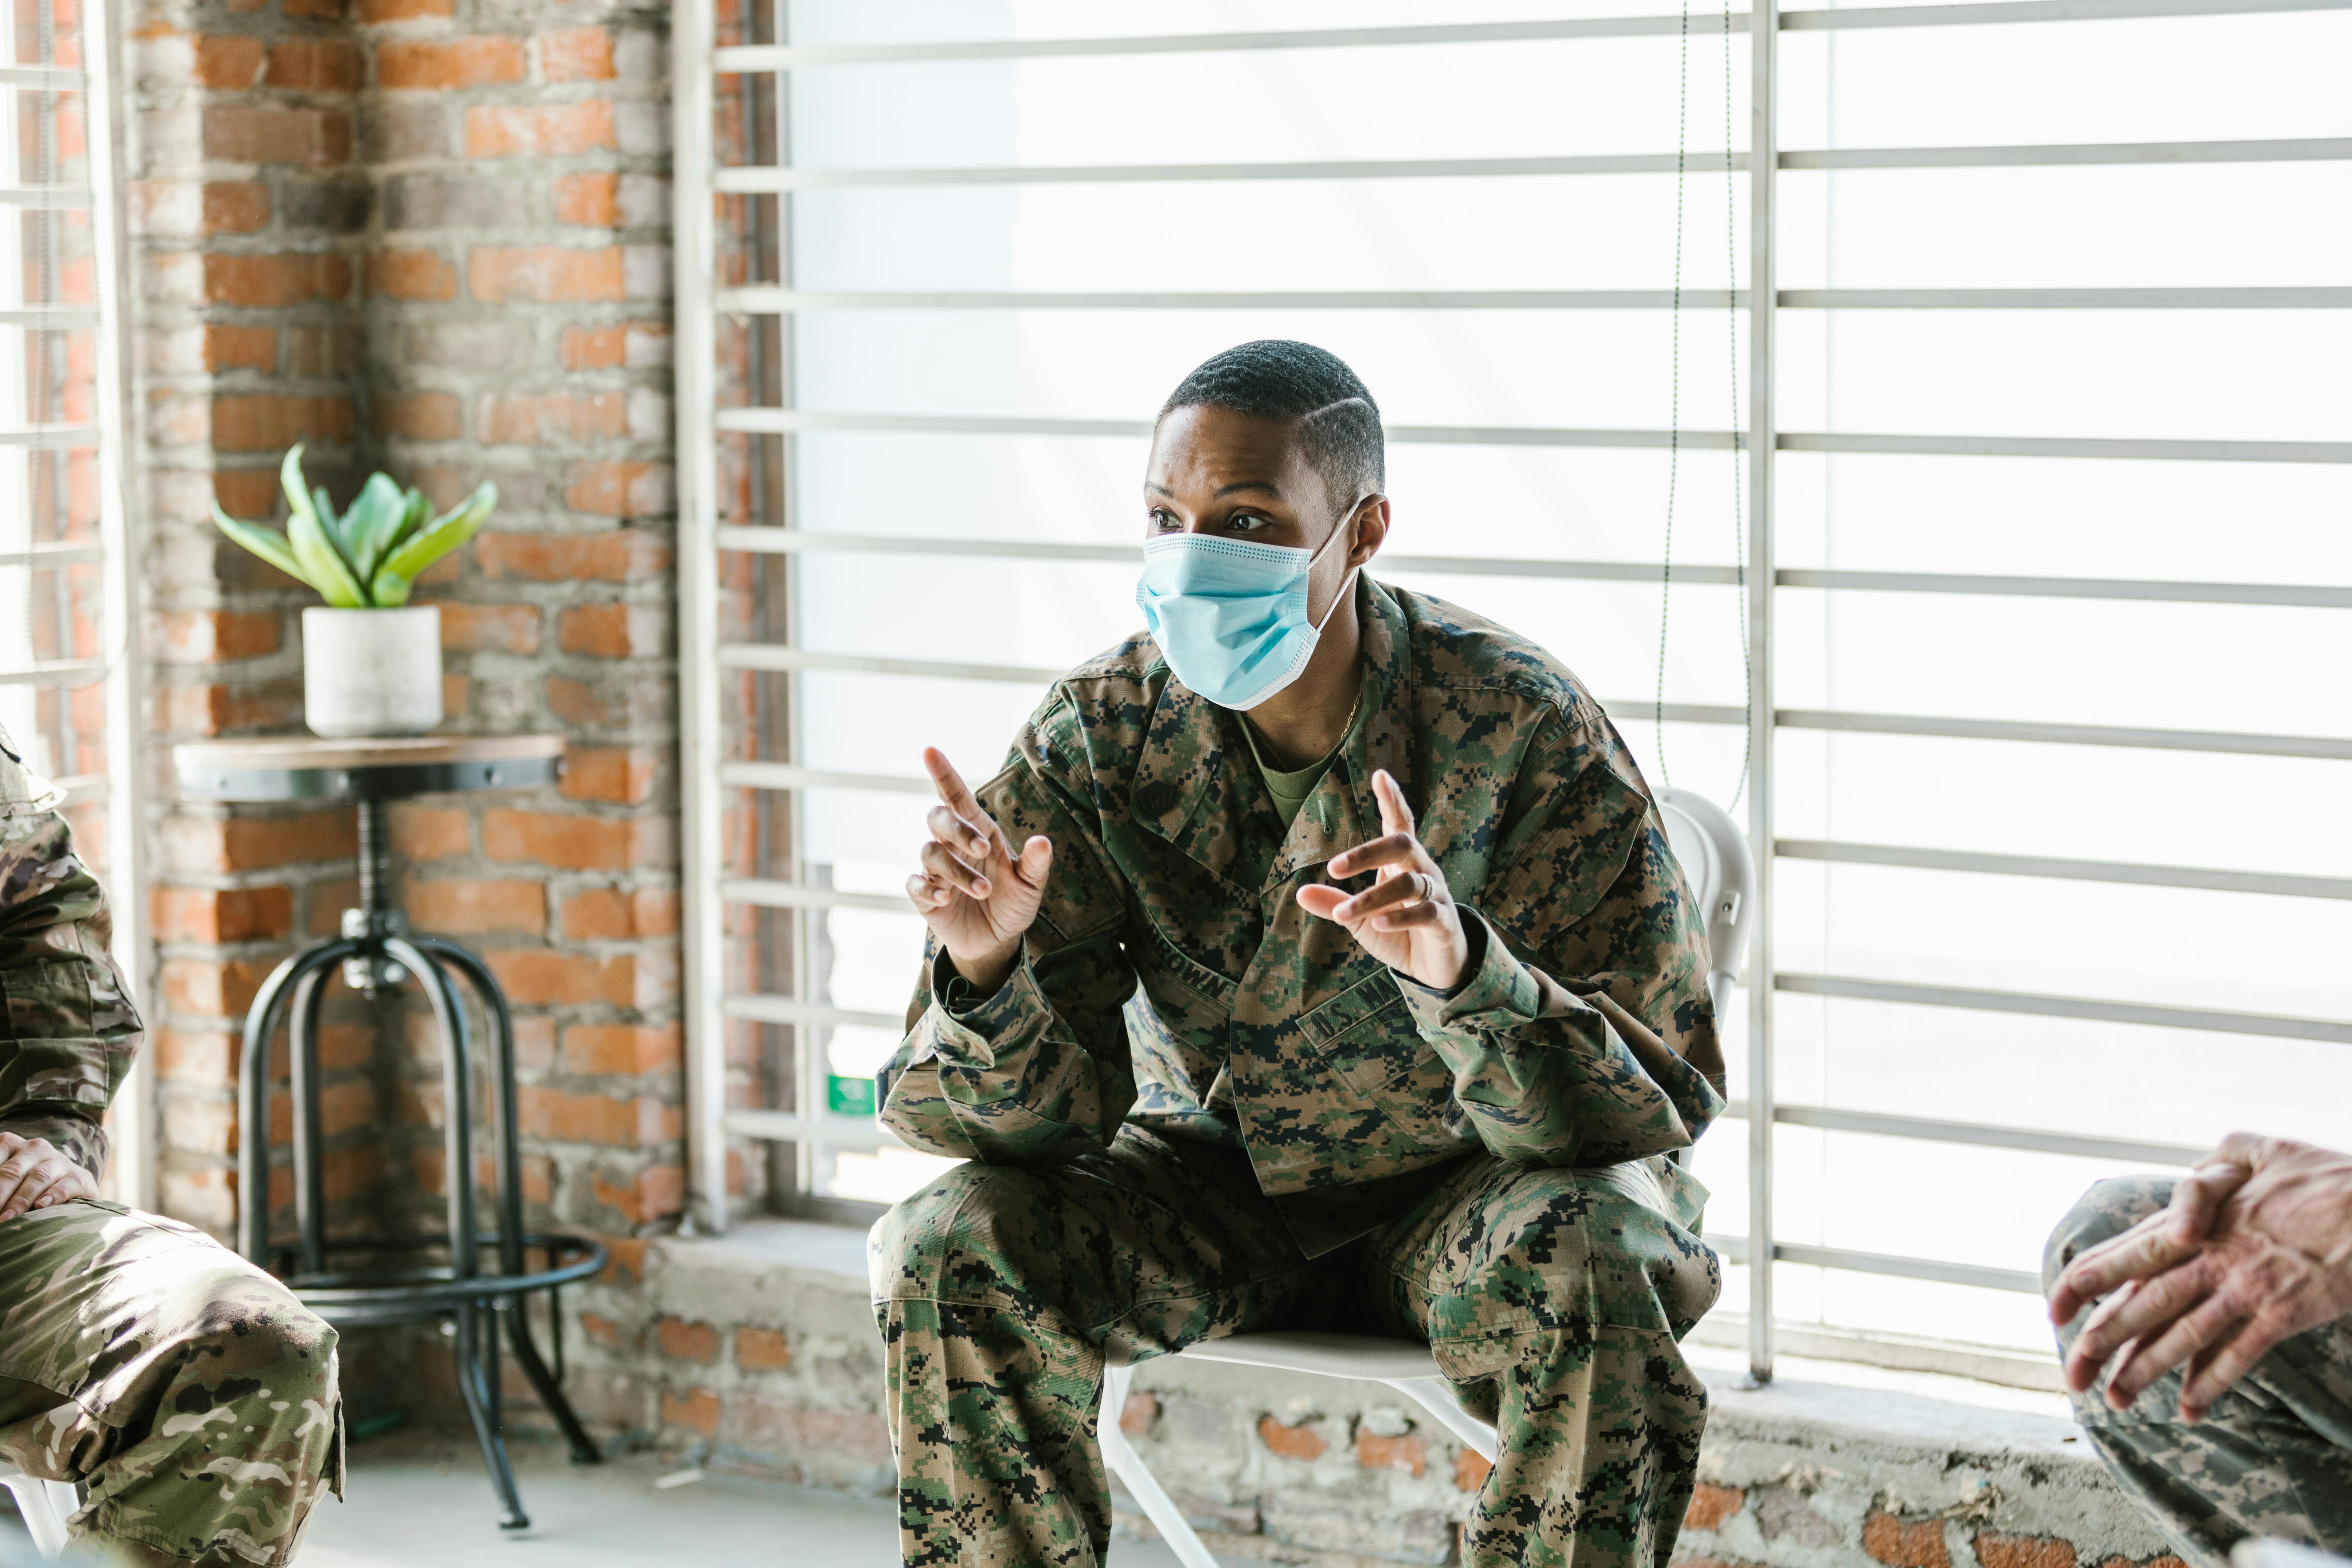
(371, 672)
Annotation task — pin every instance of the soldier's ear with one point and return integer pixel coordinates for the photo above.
(1372, 525)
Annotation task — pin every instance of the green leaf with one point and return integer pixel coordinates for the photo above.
(333, 529)
(290, 477)
(415, 510)
(265, 543)
(372, 522)
(323, 563)
(401, 569)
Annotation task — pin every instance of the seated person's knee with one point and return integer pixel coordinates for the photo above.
(1575, 1245)
(962, 1219)
(250, 1329)
(2107, 1210)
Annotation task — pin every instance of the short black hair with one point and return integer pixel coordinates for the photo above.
(1274, 378)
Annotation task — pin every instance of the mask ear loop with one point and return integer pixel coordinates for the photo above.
(1350, 582)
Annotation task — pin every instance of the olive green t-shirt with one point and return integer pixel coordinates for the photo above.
(1290, 791)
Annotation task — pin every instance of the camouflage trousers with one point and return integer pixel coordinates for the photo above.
(1556, 1296)
(2272, 1457)
(191, 1393)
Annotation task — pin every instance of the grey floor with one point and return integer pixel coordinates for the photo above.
(418, 1500)
(413, 1499)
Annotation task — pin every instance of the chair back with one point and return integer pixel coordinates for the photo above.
(1721, 872)
(45, 1507)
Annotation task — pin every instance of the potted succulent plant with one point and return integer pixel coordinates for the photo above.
(371, 661)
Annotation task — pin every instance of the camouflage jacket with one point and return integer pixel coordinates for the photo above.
(70, 1028)
(1172, 980)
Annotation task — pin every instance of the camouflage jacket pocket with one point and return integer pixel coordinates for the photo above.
(49, 1001)
(1366, 1037)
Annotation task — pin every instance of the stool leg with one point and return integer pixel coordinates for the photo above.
(465, 1252)
(310, 1169)
(253, 1091)
(479, 1410)
(550, 1394)
(505, 1130)
(507, 1138)
(458, 1095)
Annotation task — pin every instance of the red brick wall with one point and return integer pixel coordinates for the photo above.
(517, 329)
(1730, 1527)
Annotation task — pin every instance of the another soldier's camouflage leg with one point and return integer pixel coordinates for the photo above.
(2274, 1456)
(195, 1396)
(1569, 1290)
(998, 1290)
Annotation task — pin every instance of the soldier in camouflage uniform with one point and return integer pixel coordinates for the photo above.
(2225, 1342)
(185, 1388)
(1202, 1090)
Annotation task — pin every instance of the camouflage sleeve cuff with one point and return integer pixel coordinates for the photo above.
(83, 1142)
(974, 1023)
(1499, 992)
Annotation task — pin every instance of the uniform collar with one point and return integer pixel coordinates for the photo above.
(1196, 786)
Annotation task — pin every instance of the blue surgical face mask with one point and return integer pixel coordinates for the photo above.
(1230, 615)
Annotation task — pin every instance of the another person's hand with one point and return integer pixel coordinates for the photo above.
(37, 1174)
(2256, 1248)
(977, 895)
(1406, 918)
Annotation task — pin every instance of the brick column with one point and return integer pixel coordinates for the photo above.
(247, 215)
(518, 331)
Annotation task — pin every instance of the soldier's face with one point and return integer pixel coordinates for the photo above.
(1216, 471)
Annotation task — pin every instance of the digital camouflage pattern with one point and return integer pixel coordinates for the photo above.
(2272, 1457)
(1556, 1295)
(1188, 1088)
(184, 1385)
(1172, 981)
(189, 1390)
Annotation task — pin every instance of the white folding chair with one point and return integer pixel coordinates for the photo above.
(1722, 875)
(1721, 871)
(45, 1507)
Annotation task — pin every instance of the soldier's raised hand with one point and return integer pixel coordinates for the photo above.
(976, 894)
(1407, 918)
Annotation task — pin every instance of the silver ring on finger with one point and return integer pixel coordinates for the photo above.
(1428, 886)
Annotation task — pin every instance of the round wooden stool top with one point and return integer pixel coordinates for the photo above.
(305, 767)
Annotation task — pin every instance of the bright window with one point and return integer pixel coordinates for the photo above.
(1999, 917)
(69, 674)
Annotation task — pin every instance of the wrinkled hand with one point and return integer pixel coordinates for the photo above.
(37, 1174)
(2256, 1248)
(978, 898)
(1406, 918)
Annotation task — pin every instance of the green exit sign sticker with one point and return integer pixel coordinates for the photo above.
(849, 1096)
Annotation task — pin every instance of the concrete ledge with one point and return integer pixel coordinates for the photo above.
(824, 1256)
(1814, 1472)
(1809, 1475)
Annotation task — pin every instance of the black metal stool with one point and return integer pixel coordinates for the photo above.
(377, 951)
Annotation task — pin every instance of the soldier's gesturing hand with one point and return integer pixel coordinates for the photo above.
(978, 897)
(1406, 918)
(37, 1174)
